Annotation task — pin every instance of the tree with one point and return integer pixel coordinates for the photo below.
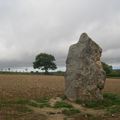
(26, 69)
(45, 62)
(9, 69)
(107, 68)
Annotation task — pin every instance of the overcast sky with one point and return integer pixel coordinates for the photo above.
(29, 27)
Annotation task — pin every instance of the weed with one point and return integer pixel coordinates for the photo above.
(108, 101)
(64, 97)
(62, 105)
(43, 102)
(33, 103)
(113, 109)
(78, 101)
(23, 109)
(40, 103)
(21, 101)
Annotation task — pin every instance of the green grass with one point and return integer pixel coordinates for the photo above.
(15, 108)
(36, 103)
(63, 97)
(62, 104)
(108, 101)
(23, 109)
(5, 103)
(10, 102)
(14, 111)
(39, 103)
(21, 101)
(111, 103)
(113, 109)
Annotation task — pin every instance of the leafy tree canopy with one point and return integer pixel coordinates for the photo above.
(45, 62)
(107, 68)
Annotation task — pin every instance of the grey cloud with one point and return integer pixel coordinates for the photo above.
(28, 27)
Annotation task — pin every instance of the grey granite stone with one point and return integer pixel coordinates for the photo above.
(85, 77)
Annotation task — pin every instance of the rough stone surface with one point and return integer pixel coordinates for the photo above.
(85, 77)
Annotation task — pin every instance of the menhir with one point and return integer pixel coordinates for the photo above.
(85, 77)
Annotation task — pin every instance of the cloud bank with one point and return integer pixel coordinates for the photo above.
(29, 27)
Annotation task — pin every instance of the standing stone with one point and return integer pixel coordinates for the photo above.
(85, 77)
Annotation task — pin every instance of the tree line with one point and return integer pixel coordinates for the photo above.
(46, 62)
